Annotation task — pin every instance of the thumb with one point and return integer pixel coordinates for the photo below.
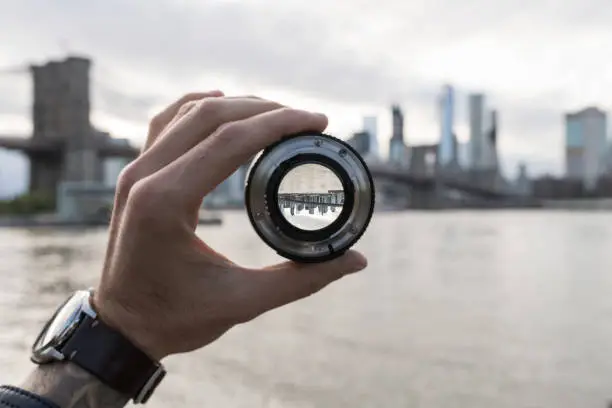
(287, 282)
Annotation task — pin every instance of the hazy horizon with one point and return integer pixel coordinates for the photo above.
(347, 59)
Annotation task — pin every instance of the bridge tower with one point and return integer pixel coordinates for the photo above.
(64, 146)
(60, 114)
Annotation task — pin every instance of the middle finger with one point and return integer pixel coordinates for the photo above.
(196, 125)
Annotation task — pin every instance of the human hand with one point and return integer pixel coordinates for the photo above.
(161, 285)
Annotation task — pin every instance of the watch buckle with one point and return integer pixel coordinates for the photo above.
(147, 389)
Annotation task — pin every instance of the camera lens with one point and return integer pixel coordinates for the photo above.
(310, 197)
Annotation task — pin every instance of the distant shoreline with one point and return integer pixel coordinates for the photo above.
(53, 221)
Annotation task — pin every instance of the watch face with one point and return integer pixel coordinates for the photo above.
(59, 327)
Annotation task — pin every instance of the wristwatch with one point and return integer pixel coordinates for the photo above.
(76, 334)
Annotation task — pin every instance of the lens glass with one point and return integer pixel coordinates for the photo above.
(310, 197)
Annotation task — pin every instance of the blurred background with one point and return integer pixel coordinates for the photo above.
(484, 124)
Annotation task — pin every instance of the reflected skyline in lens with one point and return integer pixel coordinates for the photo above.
(310, 197)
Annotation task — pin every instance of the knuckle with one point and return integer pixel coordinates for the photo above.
(127, 178)
(185, 108)
(145, 198)
(209, 108)
(230, 130)
(228, 133)
(185, 103)
(144, 191)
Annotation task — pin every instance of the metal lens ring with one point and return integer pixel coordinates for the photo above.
(310, 197)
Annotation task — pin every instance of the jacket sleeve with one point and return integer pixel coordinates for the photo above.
(13, 397)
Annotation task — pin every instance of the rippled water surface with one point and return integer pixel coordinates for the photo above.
(494, 309)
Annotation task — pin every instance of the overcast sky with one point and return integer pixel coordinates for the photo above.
(534, 60)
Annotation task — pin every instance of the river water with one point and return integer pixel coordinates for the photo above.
(457, 309)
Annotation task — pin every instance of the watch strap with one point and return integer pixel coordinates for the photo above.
(113, 359)
(13, 397)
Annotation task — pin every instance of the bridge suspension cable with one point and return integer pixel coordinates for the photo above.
(129, 106)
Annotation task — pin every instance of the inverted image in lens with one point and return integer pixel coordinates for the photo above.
(310, 197)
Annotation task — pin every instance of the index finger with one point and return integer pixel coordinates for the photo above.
(163, 118)
(214, 159)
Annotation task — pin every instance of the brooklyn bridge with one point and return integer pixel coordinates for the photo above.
(65, 147)
(426, 184)
(323, 203)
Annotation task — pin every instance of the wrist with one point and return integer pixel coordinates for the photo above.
(75, 333)
(131, 325)
(69, 386)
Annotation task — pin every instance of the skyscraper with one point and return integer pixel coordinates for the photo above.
(398, 123)
(446, 147)
(397, 148)
(585, 145)
(477, 140)
(370, 125)
(491, 143)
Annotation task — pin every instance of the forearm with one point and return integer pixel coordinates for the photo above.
(69, 386)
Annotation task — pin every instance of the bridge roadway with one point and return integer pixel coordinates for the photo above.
(285, 200)
(57, 146)
(461, 182)
(328, 199)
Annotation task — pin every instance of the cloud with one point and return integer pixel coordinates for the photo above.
(534, 60)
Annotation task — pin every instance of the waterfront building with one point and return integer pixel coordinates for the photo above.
(523, 183)
(491, 142)
(477, 136)
(447, 147)
(586, 145)
(112, 166)
(397, 146)
(370, 126)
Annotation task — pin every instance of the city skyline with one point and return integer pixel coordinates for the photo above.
(525, 76)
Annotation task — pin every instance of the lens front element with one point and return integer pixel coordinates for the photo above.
(310, 197)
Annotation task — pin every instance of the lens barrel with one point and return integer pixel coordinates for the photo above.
(309, 197)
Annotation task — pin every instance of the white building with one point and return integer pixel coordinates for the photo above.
(112, 166)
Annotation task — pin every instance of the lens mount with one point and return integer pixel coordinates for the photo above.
(262, 197)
